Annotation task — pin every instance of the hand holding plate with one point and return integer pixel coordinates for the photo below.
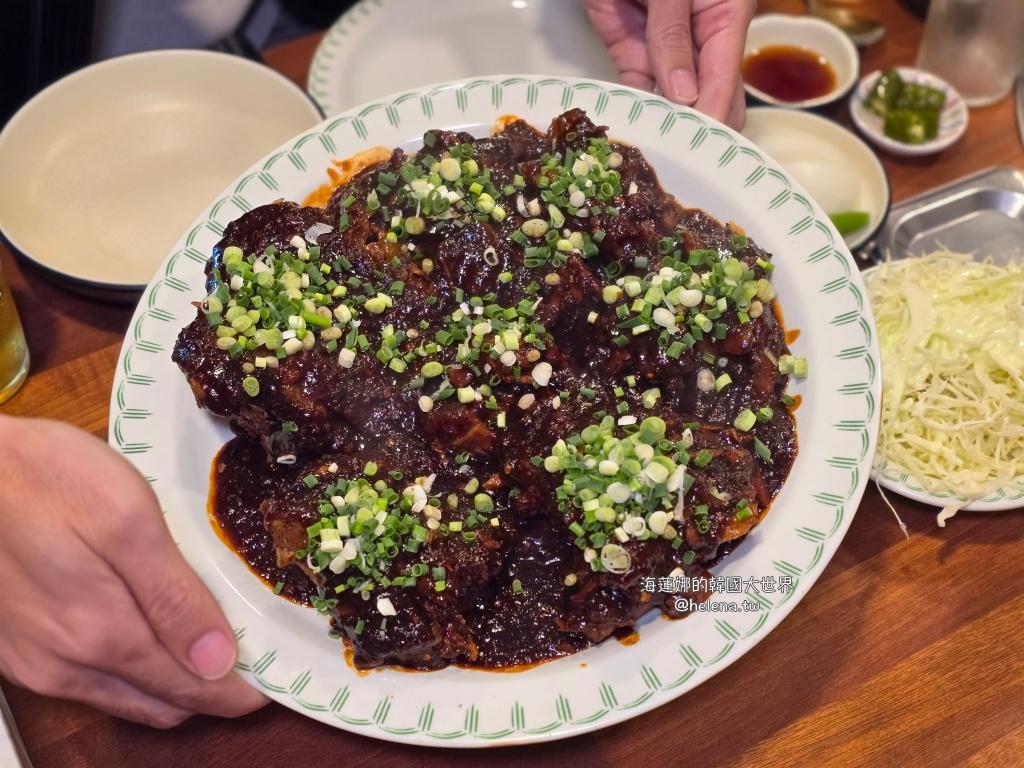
(98, 606)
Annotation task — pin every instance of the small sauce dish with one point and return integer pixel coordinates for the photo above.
(952, 117)
(798, 62)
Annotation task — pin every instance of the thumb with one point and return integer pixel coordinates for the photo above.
(670, 44)
(182, 612)
(118, 516)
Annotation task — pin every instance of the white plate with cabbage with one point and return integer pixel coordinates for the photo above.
(951, 332)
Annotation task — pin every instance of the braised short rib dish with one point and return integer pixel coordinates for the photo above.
(487, 392)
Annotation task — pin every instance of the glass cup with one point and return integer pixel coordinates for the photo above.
(13, 350)
(975, 46)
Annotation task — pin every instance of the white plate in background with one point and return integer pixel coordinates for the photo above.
(379, 47)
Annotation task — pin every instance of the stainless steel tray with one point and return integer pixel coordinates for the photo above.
(982, 214)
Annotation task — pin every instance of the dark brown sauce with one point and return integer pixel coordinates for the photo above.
(234, 511)
(350, 656)
(777, 309)
(517, 630)
(791, 334)
(396, 668)
(504, 122)
(483, 667)
(789, 73)
(627, 635)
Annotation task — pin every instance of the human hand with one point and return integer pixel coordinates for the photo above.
(692, 49)
(97, 603)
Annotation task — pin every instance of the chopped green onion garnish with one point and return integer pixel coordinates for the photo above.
(745, 420)
(762, 450)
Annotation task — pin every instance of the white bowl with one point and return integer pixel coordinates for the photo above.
(823, 155)
(952, 120)
(104, 169)
(811, 34)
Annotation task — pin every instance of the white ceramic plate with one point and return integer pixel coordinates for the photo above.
(105, 168)
(431, 42)
(285, 649)
(11, 748)
(813, 35)
(952, 120)
(896, 479)
(837, 168)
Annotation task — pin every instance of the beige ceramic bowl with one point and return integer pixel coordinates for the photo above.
(104, 170)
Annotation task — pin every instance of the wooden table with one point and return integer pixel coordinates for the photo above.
(907, 653)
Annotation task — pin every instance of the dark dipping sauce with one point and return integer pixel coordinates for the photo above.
(789, 73)
(513, 581)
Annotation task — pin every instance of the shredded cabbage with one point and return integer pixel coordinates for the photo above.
(951, 332)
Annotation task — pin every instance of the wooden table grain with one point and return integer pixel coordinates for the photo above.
(907, 652)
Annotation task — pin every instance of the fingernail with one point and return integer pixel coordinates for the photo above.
(682, 86)
(212, 655)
